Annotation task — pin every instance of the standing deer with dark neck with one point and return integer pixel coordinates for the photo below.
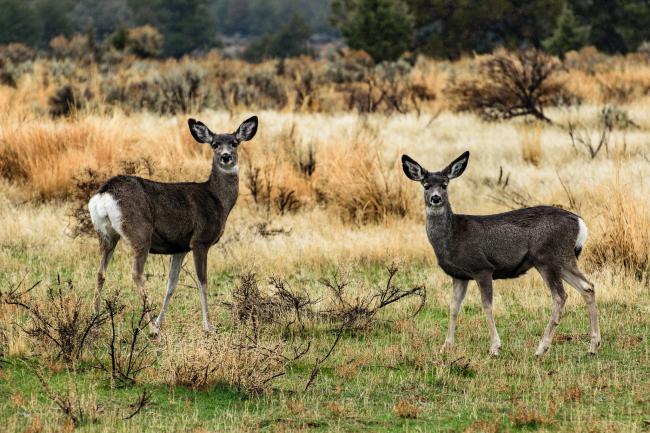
(506, 245)
(170, 218)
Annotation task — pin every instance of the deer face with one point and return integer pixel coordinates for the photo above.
(224, 145)
(435, 184)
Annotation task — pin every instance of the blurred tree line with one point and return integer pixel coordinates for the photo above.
(449, 28)
(186, 25)
(383, 28)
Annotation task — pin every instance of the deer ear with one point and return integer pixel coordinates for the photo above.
(457, 167)
(247, 129)
(412, 169)
(200, 132)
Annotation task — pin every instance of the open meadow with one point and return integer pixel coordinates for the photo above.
(327, 230)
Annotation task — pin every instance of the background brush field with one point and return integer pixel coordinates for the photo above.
(323, 195)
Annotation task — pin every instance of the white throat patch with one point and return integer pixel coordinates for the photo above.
(230, 170)
(434, 210)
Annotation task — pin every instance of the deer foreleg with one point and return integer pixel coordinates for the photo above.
(460, 290)
(484, 282)
(201, 264)
(175, 265)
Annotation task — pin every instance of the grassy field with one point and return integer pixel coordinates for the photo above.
(356, 213)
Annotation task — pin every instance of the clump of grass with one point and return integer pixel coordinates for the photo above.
(362, 185)
(572, 393)
(407, 408)
(531, 143)
(625, 228)
(336, 409)
(295, 407)
(525, 417)
(246, 358)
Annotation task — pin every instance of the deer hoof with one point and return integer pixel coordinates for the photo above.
(445, 347)
(154, 331)
(495, 351)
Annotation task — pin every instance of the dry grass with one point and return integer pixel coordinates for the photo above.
(531, 143)
(356, 209)
(624, 219)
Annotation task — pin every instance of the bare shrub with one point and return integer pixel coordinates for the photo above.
(62, 322)
(386, 89)
(182, 86)
(510, 85)
(509, 194)
(81, 408)
(358, 311)
(67, 100)
(127, 354)
(284, 305)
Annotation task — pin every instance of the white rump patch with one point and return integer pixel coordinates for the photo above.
(230, 170)
(106, 216)
(582, 235)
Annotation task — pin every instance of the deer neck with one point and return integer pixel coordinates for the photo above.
(224, 185)
(439, 231)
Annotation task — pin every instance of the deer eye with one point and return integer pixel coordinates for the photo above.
(426, 187)
(444, 186)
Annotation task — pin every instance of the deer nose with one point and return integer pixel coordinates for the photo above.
(226, 158)
(436, 199)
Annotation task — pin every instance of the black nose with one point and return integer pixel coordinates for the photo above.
(436, 199)
(226, 158)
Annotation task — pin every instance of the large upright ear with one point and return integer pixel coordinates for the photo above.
(457, 167)
(200, 132)
(412, 169)
(247, 129)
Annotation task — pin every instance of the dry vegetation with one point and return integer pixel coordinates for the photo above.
(312, 330)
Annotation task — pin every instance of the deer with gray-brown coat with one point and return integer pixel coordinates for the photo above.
(506, 245)
(170, 218)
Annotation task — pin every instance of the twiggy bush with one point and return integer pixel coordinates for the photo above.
(61, 323)
(183, 87)
(510, 84)
(128, 354)
(358, 311)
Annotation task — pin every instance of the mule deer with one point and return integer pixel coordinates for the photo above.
(170, 218)
(506, 245)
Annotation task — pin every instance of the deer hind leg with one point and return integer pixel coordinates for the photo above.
(572, 275)
(484, 282)
(107, 248)
(460, 290)
(138, 278)
(554, 283)
(176, 262)
(201, 266)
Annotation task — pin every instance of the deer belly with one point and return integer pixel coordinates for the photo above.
(512, 271)
(162, 245)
